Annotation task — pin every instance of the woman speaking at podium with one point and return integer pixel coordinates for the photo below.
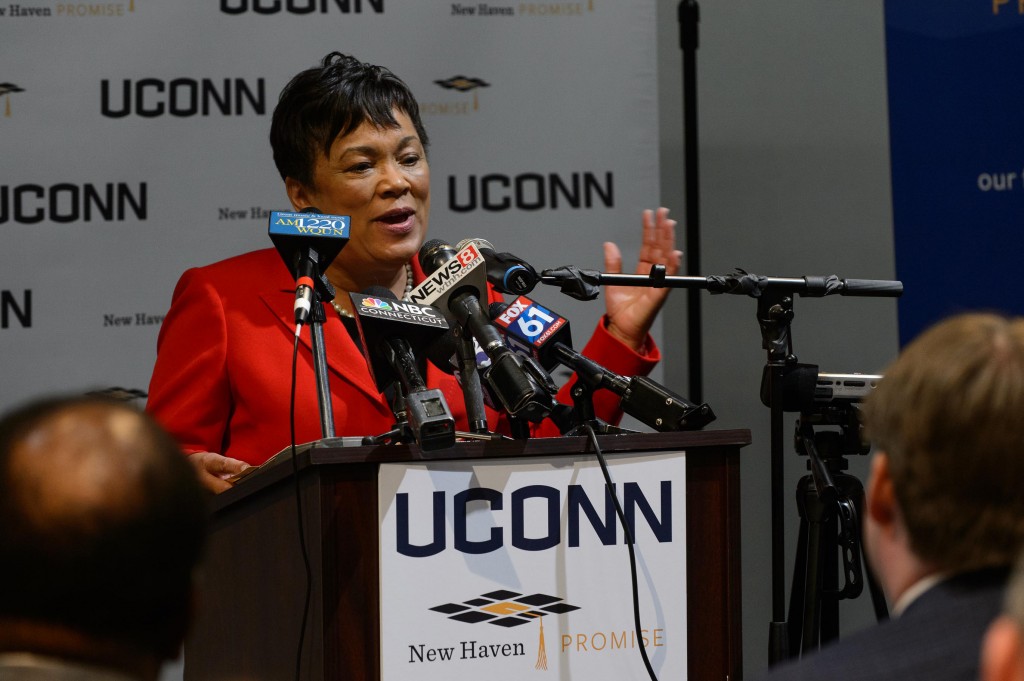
(347, 138)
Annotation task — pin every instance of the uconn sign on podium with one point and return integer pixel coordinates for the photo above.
(527, 555)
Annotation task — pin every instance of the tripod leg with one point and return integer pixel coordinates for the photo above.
(796, 592)
(812, 590)
(805, 603)
(829, 625)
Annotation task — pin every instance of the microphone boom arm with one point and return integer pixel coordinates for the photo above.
(584, 284)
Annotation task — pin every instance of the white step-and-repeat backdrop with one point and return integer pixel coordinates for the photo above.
(134, 143)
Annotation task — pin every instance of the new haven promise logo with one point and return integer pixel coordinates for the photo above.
(525, 9)
(500, 608)
(68, 9)
(509, 609)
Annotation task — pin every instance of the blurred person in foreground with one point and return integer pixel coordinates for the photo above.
(348, 140)
(1002, 656)
(102, 522)
(944, 513)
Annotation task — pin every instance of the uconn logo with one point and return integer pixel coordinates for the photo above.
(300, 6)
(14, 312)
(584, 514)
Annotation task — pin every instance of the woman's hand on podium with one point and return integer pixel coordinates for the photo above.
(214, 470)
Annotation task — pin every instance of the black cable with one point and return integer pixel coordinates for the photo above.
(298, 509)
(629, 545)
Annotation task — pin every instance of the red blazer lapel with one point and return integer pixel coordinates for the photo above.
(343, 357)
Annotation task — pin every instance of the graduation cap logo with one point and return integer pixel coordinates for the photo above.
(508, 609)
(5, 91)
(118, 393)
(464, 84)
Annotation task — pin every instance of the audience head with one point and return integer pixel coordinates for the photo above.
(102, 522)
(946, 422)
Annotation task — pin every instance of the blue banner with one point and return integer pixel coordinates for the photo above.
(956, 108)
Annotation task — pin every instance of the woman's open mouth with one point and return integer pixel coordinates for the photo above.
(398, 220)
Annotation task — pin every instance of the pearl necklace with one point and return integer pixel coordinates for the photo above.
(342, 312)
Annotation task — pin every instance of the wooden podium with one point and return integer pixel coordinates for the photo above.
(254, 579)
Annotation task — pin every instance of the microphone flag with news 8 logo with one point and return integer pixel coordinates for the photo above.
(957, 144)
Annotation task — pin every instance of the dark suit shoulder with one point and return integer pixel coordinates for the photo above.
(938, 638)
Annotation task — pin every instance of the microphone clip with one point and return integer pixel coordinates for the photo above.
(574, 421)
(574, 282)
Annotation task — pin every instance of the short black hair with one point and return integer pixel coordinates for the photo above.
(120, 567)
(333, 99)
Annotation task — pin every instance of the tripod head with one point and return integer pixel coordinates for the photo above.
(826, 435)
(829, 427)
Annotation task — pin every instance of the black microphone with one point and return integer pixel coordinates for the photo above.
(449, 271)
(456, 281)
(645, 400)
(444, 354)
(390, 330)
(457, 356)
(543, 334)
(308, 242)
(506, 272)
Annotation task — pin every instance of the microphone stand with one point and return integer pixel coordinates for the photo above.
(471, 389)
(588, 379)
(318, 318)
(689, 18)
(774, 315)
(322, 292)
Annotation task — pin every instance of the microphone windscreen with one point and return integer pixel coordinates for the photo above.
(378, 291)
(480, 243)
(435, 253)
(495, 309)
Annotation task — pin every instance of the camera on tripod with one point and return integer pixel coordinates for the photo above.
(830, 503)
(844, 387)
(805, 390)
(836, 397)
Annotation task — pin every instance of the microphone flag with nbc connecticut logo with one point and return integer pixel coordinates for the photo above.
(379, 319)
(528, 568)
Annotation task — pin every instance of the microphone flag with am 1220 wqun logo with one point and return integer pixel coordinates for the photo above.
(308, 243)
